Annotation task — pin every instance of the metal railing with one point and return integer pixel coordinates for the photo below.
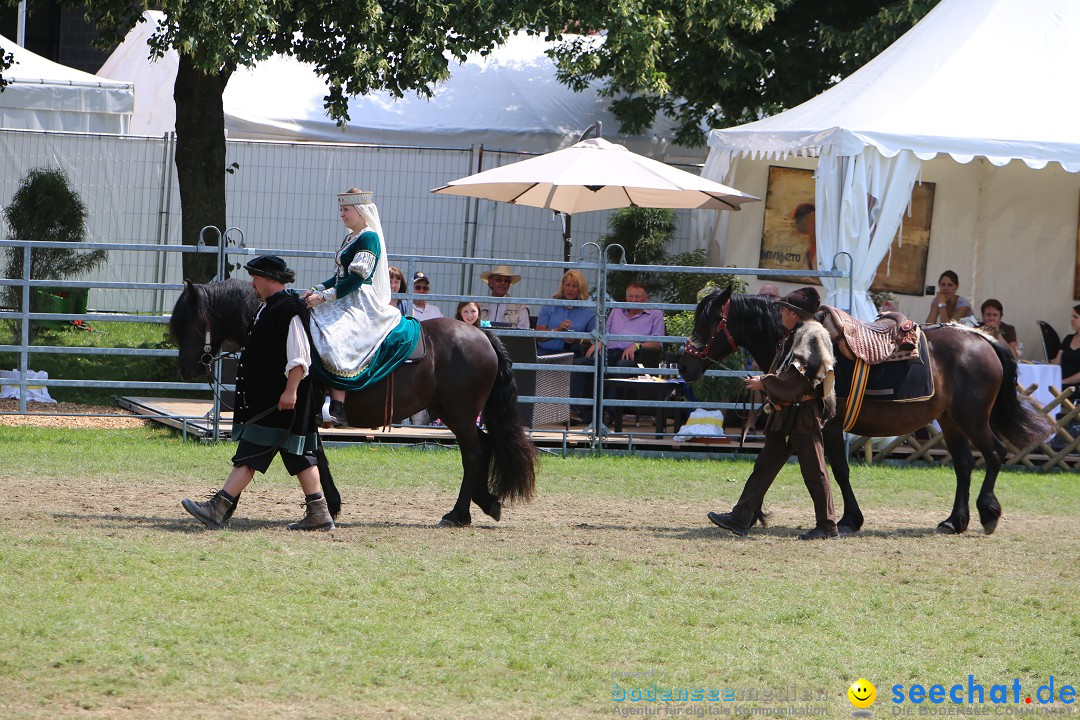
(594, 262)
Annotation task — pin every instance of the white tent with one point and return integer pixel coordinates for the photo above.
(980, 97)
(508, 100)
(44, 95)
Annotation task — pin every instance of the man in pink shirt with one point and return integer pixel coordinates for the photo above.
(621, 353)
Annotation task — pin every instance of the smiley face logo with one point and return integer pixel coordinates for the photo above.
(862, 693)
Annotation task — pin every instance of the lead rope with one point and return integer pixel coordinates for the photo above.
(207, 361)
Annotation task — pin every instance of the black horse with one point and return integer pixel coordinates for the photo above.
(975, 399)
(464, 372)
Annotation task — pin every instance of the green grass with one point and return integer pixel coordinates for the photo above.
(73, 366)
(116, 605)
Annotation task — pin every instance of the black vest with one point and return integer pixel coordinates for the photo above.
(260, 373)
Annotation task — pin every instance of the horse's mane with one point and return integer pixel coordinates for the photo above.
(757, 317)
(228, 305)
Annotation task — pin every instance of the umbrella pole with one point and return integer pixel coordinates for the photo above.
(568, 244)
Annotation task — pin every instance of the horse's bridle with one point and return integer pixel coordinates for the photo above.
(208, 359)
(705, 353)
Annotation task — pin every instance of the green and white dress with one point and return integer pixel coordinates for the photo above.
(358, 337)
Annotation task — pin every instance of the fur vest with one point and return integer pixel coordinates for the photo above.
(810, 353)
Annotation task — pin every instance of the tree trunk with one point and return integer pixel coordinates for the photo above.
(200, 161)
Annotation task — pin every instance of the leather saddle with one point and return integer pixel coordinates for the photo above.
(419, 350)
(892, 337)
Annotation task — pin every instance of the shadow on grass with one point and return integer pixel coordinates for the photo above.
(187, 524)
(709, 532)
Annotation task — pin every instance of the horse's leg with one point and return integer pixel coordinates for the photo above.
(462, 396)
(963, 463)
(993, 451)
(474, 473)
(832, 436)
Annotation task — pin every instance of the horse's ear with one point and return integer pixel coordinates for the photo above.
(724, 299)
(187, 284)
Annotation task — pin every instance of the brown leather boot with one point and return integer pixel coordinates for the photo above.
(316, 517)
(212, 513)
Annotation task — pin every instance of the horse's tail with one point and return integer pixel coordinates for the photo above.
(1010, 418)
(512, 456)
(330, 491)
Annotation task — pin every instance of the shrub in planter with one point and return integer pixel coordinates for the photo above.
(46, 209)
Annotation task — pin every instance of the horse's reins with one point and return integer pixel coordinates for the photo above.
(388, 406)
(704, 354)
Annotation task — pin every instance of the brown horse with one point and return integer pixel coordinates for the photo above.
(464, 372)
(975, 399)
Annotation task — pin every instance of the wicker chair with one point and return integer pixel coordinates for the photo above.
(550, 383)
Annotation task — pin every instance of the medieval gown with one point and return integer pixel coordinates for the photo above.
(358, 338)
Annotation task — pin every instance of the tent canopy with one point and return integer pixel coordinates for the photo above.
(992, 79)
(507, 100)
(974, 78)
(44, 95)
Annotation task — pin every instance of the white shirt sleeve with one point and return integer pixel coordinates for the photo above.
(523, 317)
(297, 348)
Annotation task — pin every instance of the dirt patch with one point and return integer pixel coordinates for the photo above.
(612, 528)
(68, 415)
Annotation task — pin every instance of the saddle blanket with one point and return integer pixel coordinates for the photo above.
(904, 381)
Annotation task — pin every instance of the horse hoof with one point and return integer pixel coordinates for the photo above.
(990, 526)
(945, 527)
(495, 511)
(451, 523)
(847, 529)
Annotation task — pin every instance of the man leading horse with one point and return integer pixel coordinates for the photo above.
(799, 389)
(275, 413)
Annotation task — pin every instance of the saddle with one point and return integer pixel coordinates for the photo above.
(892, 337)
(419, 350)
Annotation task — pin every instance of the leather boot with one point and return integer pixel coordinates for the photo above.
(728, 522)
(337, 414)
(212, 513)
(316, 517)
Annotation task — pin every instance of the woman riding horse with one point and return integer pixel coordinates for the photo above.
(359, 337)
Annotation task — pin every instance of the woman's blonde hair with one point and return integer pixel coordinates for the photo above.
(582, 283)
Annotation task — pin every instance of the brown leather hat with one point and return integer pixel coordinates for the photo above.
(804, 302)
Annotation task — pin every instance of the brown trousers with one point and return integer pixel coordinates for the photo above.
(808, 448)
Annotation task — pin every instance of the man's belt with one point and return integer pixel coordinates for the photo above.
(804, 398)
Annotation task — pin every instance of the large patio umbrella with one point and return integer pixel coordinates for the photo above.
(594, 174)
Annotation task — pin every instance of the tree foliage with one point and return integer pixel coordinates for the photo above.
(718, 63)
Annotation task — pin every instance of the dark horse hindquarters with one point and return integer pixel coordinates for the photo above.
(975, 399)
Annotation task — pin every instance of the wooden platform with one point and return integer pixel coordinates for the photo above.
(193, 417)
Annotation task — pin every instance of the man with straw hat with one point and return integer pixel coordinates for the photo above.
(499, 279)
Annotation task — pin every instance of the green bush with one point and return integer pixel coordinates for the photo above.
(45, 209)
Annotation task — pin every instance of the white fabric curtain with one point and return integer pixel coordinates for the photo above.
(708, 228)
(861, 201)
